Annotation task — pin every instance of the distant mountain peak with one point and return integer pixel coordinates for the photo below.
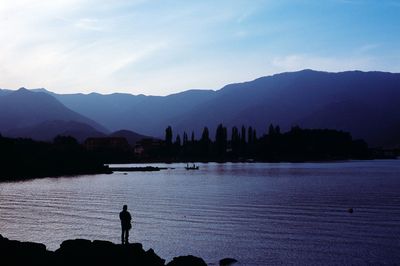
(23, 90)
(24, 108)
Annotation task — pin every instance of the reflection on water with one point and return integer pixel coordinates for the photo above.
(257, 213)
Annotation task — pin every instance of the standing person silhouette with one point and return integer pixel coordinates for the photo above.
(125, 218)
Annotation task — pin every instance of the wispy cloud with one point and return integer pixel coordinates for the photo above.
(367, 48)
(88, 24)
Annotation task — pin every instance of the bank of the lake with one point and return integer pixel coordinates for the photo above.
(85, 252)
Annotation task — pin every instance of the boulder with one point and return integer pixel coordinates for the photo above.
(187, 261)
(15, 252)
(227, 262)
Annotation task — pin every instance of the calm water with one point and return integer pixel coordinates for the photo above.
(257, 213)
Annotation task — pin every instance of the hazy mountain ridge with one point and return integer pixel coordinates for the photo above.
(364, 103)
(24, 108)
(295, 98)
(139, 113)
(130, 136)
(40, 116)
(4, 92)
(47, 130)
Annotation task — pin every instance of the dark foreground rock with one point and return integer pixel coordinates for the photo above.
(227, 262)
(187, 260)
(85, 252)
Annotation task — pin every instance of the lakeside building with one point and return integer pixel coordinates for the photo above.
(107, 143)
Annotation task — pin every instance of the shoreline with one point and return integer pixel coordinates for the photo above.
(87, 252)
(250, 160)
(110, 170)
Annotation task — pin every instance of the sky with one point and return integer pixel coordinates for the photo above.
(159, 47)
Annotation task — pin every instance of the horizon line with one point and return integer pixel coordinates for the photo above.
(44, 89)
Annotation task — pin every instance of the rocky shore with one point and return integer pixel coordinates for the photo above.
(86, 252)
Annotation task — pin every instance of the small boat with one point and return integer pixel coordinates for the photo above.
(193, 167)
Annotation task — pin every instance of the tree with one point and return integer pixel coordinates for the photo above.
(250, 135)
(205, 142)
(168, 136)
(185, 138)
(277, 130)
(243, 135)
(271, 130)
(221, 141)
(178, 141)
(192, 138)
(243, 141)
(235, 140)
(65, 141)
(205, 136)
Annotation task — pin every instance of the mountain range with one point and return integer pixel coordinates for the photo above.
(363, 103)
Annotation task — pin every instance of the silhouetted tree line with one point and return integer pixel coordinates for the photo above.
(244, 144)
(25, 158)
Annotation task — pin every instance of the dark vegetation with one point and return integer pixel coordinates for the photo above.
(295, 145)
(25, 158)
(85, 252)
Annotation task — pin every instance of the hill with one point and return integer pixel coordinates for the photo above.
(48, 130)
(146, 114)
(364, 103)
(24, 112)
(130, 136)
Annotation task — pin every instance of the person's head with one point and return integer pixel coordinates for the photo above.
(125, 207)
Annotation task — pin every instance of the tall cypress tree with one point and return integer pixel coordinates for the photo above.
(221, 140)
(277, 130)
(271, 130)
(185, 138)
(205, 142)
(178, 141)
(205, 136)
(235, 140)
(250, 135)
(168, 136)
(243, 135)
(192, 138)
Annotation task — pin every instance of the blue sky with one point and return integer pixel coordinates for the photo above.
(160, 47)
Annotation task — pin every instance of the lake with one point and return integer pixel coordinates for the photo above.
(258, 213)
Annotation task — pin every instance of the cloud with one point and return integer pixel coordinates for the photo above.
(368, 48)
(88, 24)
(159, 47)
(80, 44)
